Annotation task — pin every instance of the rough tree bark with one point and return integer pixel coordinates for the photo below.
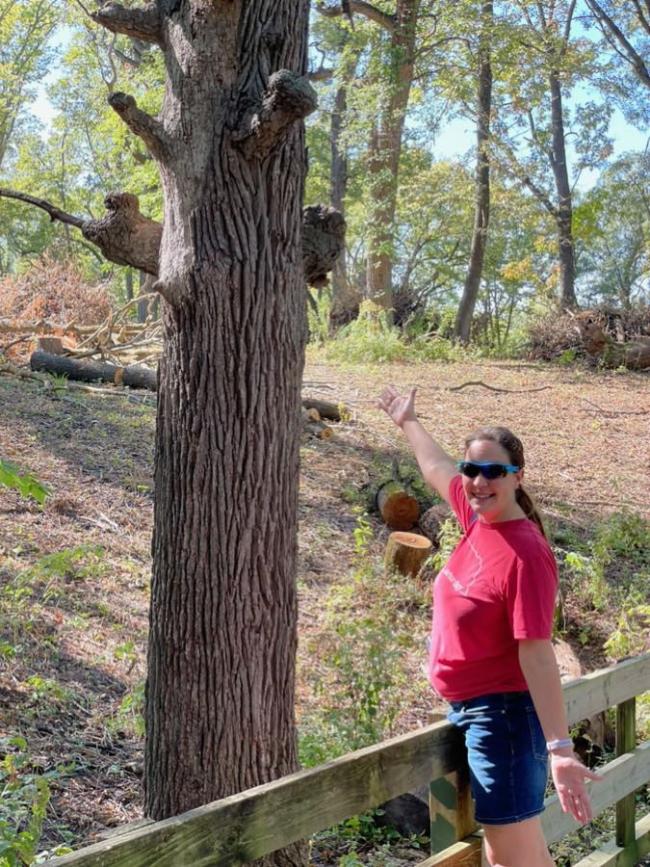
(564, 216)
(384, 155)
(345, 297)
(463, 324)
(230, 149)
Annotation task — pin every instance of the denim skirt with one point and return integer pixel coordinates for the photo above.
(507, 756)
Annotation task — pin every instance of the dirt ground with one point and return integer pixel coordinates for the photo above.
(73, 627)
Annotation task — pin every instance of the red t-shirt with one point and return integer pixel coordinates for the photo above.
(498, 586)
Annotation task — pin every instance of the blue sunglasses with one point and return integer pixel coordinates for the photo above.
(487, 469)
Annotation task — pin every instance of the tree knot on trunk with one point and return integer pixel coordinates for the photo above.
(288, 97)
(323, 239)
(124, 235)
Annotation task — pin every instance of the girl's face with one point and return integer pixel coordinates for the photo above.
(492, 499)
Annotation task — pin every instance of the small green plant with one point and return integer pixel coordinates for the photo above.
(78, 563)
(631, 632)
(591, 570)
(130, 714)
(24, 797)
(128, 653)
(25, 483)
(450, 534)
(363, 535)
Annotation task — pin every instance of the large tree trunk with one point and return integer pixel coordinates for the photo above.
(463, 325)
(384, 155)
(564, 222)
(220, 685)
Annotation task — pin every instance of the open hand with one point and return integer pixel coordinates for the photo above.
(569, 775)
(400, 407)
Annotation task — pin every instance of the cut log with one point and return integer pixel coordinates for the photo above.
(398, 508)
(53, 345)
(135, 376)
(431, 521)
(331, 411)
(319, 429)
(406, 552)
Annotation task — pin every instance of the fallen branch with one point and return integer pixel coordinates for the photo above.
(134, 375)
(495, 388)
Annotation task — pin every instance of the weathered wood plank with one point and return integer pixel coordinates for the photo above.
(244, 827)
(620, 777)
(625, 808)
(612, 855)
(595, 692)
(466, 853)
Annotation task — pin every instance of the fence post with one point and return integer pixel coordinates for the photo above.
(625, 808)
(451, 809)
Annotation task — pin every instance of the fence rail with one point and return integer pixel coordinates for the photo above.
(239, 829)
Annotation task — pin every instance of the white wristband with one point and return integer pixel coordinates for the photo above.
(560, 744)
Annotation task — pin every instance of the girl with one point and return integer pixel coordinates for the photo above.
(491, 652)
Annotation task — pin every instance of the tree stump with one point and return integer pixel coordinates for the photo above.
(406, 552)
(398, 508)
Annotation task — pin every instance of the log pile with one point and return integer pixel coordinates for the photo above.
(633, 354)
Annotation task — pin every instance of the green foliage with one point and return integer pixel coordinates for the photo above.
(25, 483)
(24, 798)
(130, 714)
(631, 632)
(73, 564)
(372, 339)
(450, 535)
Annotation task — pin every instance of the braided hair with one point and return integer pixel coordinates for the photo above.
(515, 449)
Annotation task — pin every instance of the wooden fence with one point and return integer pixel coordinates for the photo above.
(243, 827)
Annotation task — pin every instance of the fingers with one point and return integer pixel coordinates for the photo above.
(577, 802)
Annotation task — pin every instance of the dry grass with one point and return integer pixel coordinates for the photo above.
(85, 629)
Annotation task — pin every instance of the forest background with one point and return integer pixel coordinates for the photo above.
(539, 83)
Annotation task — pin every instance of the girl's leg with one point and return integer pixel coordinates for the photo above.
(520, 844)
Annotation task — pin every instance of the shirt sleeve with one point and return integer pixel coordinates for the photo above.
(459, 504)
(531, 592)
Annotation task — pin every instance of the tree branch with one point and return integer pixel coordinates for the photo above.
(289, 97)
(126, 237)
(631, 55)
(144, 23)
(360, 7)
(54, 212)
(140, 123)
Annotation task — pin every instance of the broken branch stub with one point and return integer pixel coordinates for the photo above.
(124, 235)
(289, 97)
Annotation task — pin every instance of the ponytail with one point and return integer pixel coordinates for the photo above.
(530, 510)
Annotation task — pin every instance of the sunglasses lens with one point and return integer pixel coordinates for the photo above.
(488, 471)
(493, 471)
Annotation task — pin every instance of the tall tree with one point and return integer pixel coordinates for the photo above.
(394, 71)
(463, 324)
(25, 27)
(229, 146)
(548, 61)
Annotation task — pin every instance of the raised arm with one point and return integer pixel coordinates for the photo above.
(437, 467)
